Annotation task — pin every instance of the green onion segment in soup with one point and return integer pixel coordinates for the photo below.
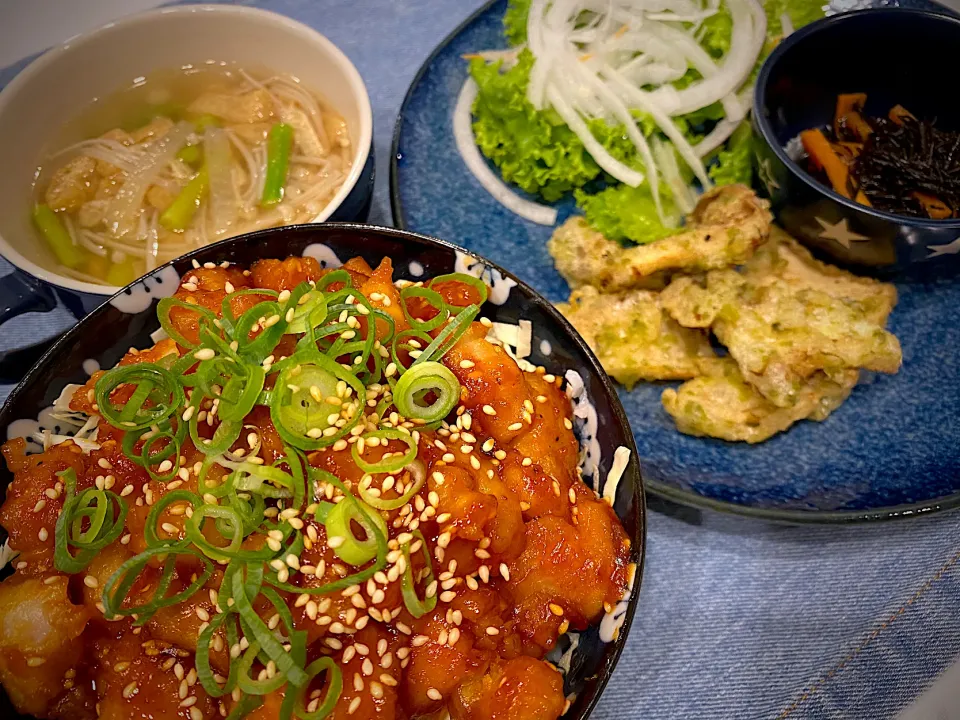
(180, 159)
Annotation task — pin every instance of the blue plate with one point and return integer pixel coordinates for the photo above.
(890, 451)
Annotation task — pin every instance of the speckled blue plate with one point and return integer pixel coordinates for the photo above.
(892, 450)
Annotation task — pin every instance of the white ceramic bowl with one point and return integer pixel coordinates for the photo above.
(60, 83)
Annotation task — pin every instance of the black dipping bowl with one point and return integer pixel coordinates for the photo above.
(895, 56)
(130, 317)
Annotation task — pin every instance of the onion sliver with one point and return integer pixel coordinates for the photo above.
(466, 144)
(603, 158)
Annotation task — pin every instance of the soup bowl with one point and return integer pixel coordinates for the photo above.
(67, 78)
(129, 319)
(892, 55)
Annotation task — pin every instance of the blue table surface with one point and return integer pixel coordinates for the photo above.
(737, 618)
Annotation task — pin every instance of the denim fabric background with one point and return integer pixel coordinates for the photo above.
(737, 618)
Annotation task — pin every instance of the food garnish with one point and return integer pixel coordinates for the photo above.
(633, 108)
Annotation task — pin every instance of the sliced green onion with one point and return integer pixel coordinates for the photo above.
(163, 314)
(248, 684)
(420, 380)
(179, 214)
(240, 393)
(300, 419)
(57, 236)
(279, 142)
(416, 606)
(476, 283)
(166, 500)
(334, 686)
(336, 276)
(419, 477)
(205, 673)
(95, 506)
(224, 436)
(394, 462)
(191, 154)
(311, 313)
(265, 637)
(432, 298)
(448, 337)
(402, 343)
(152, 384)
(117, 588)
(227, 517)
(317, 475)
(340, 519)
(227, 318)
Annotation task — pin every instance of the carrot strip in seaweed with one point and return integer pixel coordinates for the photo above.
(820, 152)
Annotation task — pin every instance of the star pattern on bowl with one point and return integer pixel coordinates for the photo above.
(949, 249)
(839, 232)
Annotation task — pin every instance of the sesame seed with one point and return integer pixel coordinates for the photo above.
(90, 581)
(354, 704)
(130, 690)
(567, 424)
(204, 354)
(41, 504)
(36, 661)
(43, 535)
(447, 596)
(491, 630)
(514, 426)
(434, 694)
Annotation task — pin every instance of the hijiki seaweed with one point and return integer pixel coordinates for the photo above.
(899, 163)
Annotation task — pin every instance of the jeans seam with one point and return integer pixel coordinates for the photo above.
(852, 655)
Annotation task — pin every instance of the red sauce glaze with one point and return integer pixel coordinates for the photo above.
(520, 548)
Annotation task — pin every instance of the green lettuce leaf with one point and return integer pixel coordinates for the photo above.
(800, 12)
(734, 163)
(534, 150)
(717, 31)
(624, 213)
(515, 21)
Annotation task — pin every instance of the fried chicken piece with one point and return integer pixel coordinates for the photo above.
(725, 228)
(722, 404)
(786, 317)
(634, 338)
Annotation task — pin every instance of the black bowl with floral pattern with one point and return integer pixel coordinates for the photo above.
(128, 319)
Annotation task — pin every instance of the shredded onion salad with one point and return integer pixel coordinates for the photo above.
(248, 521)
(607, 59)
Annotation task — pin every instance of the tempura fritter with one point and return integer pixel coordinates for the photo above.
(723, 405)
(725, 228)
(634, 338)
(785, 317)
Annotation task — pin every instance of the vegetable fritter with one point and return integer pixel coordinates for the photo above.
(722, 404)
(725, 228)
(787, 317)
(634, 338)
